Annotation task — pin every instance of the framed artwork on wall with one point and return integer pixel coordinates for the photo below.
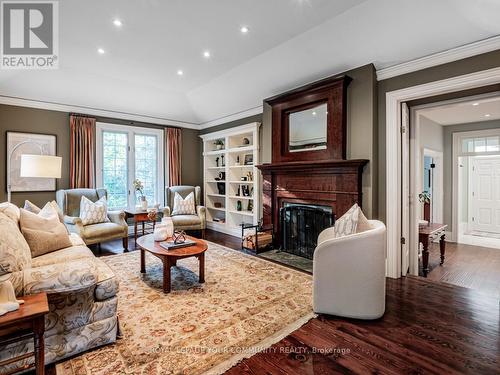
(19, 143)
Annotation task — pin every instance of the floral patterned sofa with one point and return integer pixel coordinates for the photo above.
(82, 292)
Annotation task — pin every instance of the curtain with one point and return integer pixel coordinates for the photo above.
(82, 164)
(174, 150)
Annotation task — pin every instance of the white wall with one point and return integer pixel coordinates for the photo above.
(431, 135)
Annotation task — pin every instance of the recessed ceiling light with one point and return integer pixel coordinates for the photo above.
(180, 72)
(487, 115)
(101, 51)
(314, 113)
(244, 29)
(475, 104)
(206, 54)
(117, 22)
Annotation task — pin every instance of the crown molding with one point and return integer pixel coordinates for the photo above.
(454, 54)
(235, 116)
(39, 104)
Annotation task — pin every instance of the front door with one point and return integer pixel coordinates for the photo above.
(484, 195)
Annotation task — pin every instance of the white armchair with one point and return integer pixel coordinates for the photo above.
(349, 273)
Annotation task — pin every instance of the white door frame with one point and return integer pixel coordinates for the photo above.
(394, 99)
(457, 152)
(416, 186)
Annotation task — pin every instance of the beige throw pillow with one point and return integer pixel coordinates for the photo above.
(30, 206)
(363, 224)
(184, 206)
(14, 250)
(93, 212)
(348, 222)
(43, 232)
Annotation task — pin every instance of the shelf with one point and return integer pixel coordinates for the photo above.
(233, 154)
(216, 152)
(242, 182)
(217, 209)
(242, 149)
(244, 213)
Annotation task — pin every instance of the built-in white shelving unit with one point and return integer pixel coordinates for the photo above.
(235, 159)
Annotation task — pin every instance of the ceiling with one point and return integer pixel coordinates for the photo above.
(289, 43)
(474, 110)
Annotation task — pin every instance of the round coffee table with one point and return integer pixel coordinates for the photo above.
(170, 257)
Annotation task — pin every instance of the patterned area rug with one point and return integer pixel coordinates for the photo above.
(245, 305)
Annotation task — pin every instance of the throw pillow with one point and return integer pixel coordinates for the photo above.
(14, 250)
(348, 222)
(43, 232)
(30, 206)
(93, 212)
(363, 224)
(184, 206)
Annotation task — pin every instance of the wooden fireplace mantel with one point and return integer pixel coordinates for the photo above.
(327, 166)
(333, 183)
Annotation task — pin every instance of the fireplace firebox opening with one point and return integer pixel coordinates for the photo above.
(300, 225)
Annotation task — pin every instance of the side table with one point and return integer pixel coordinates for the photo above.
(26, 323)
(140, 216)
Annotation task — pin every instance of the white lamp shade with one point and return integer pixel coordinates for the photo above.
(43, 166)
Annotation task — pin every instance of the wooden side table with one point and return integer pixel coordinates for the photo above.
(27, 322)
(425, 235)
(140, 217)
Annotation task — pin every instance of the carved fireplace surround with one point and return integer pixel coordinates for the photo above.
(318, 177)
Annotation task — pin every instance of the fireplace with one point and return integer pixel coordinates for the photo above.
(300, 225)
(309, 174)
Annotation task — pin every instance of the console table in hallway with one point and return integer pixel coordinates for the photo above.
(425, 235)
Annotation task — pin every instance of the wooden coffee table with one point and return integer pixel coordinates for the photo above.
(170, 257)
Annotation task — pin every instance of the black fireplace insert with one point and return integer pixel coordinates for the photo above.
(300, 225)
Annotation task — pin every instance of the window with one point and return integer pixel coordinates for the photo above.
(126, 153)
(480, 145)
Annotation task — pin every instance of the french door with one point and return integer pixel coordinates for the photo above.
(124, 154)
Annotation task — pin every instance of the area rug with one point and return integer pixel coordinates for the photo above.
(245, 305)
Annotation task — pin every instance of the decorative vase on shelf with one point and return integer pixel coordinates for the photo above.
(169, 225)
(238, 206)
(144, 203)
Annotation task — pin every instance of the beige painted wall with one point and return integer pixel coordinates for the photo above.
(361, 130)
(457, 68)
(30, 120)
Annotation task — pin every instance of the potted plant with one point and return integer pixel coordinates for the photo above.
(219, 144)
(139, 188)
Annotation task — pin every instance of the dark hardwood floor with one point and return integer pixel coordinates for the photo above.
(469, 266)
(429, 327)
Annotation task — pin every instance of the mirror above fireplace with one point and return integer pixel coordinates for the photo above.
(308, 128)
(309, 123)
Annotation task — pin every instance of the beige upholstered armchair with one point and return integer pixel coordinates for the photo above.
(186, 222)
(69, 201)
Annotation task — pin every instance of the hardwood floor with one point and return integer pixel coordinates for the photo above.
(469, 266)
(429, 327)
